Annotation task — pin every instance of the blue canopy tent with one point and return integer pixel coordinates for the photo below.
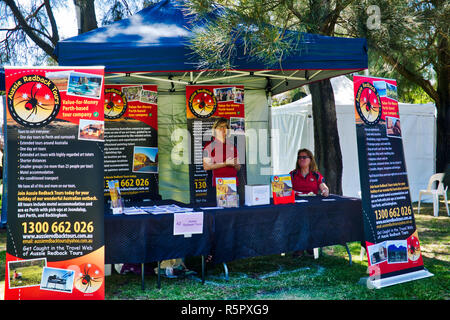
(153, 47)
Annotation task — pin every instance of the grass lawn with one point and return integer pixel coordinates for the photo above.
(276, 277)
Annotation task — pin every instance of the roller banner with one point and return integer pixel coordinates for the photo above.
(131, 141)
(55, 136)
(204, 105)
(391, 238)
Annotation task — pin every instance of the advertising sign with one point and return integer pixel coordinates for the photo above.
(55, 133)
(204, 106)
(393, 246)
(131, 141)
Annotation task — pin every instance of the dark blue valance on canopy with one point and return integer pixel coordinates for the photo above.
(157, 39)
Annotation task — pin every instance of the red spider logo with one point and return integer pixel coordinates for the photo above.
(88, 279)
(32, 103)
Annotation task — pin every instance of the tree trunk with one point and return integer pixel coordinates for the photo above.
(443, 107)
(327, 149)
(87, 20)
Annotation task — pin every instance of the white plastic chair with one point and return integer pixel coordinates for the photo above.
(435, 193)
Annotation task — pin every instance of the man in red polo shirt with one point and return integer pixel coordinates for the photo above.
(220, 157)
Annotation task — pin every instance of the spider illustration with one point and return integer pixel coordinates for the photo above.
(87, 279)
(203, 105)
(110, 106)
(114, 109)
(32, 104)
(369, 104)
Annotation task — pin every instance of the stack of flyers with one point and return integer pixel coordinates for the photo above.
(172, 208)
(175, 209)
(155, 210)
(133, 210)
(226, 192)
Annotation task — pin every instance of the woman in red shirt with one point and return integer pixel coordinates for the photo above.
(306, 178)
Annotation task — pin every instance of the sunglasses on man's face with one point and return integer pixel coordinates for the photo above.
(303, 157)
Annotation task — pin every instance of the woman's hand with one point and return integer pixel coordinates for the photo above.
(324, 189)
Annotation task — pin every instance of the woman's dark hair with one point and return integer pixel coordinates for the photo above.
(312, 164)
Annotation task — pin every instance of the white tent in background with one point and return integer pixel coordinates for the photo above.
(292, 126)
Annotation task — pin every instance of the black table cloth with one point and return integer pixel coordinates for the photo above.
(271, 229)
(235, 233)
(149, 238)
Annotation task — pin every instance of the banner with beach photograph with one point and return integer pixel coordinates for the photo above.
(204, 105)
(55, 134)
(392, 242)
(131, 141)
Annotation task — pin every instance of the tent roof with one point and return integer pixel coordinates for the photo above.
(154, 43)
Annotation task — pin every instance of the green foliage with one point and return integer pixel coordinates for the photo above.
(405, 36)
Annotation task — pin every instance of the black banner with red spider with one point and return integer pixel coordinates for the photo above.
(131, 141)
(392, 243)
(215, 154)
(55, 136)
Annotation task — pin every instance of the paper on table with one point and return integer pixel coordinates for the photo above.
(133, 210)
(210, 208)
(328, 199)
(166, 209)
(301, 200)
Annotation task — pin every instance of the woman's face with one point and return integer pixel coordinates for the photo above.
(221, 131)
(303, 160)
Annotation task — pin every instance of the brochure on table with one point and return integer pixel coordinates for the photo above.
(282, 191)
(226, 193)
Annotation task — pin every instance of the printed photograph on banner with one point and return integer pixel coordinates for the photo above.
(26, 273)
(239, 95)
(55, 279)
(148, 96)
(391, 91)
(85, 85)
(224, 94)
(393, 128)
(92, 130)
(381, 88)
(59, 78)
(397, 251)
(132, 93)
(377, 253)
(237, 125)
(145, 160)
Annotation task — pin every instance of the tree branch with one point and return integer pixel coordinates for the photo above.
(51, 17)
(410, 75)
(48, 49)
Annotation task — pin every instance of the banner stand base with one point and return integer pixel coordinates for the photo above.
(381, 283)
